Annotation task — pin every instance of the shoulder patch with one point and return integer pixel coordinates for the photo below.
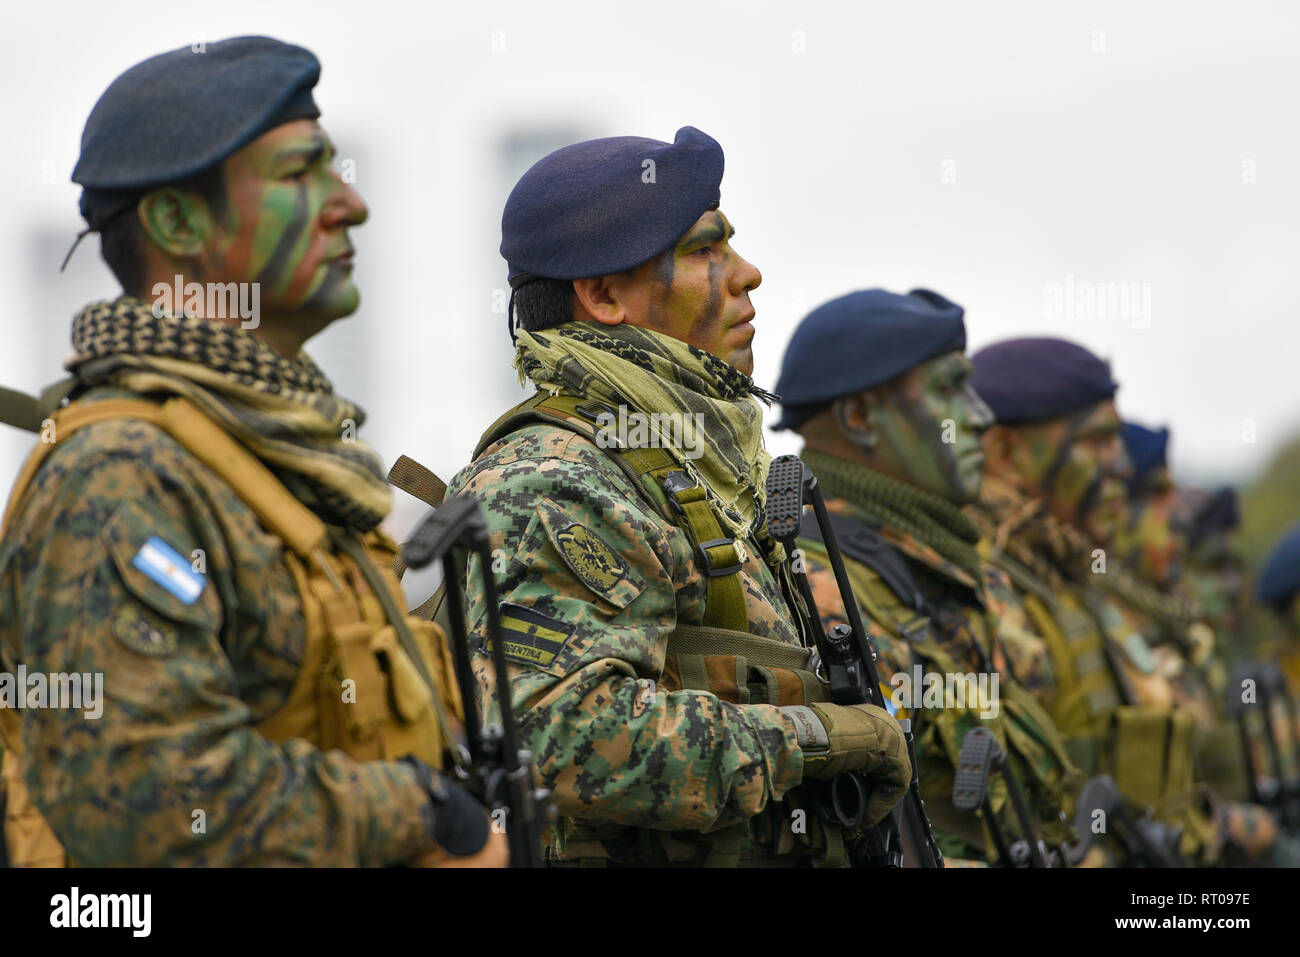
(598, 565)
(170, 569)
(530, 637)
(144, 633)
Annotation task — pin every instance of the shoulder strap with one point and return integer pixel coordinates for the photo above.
(27, 412)
(252, 481)
(863, 543)
(669, 490)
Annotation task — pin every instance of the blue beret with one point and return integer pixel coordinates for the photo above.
(180, 113)
(1279, 579)
(1147, 449)
(1033, 379)
(588, 210)
(860, 341)
(1218, 512)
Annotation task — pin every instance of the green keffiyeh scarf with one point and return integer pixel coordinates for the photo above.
(903, 508)
(651, 373)
(283, 410)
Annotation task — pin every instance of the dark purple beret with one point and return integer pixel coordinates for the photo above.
(180, 113)
(860, 341)
(1147, 449)
(605, 206)
(1033, 379)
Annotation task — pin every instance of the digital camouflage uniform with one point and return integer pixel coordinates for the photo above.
(595, 579)
(968, 620)
(1093, 668)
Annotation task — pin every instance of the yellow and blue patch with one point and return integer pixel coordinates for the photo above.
(531, 638)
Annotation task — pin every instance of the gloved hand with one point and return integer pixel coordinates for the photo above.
(861, 737)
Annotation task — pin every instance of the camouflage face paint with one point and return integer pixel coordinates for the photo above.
(1151, 540)
(698, 292)
(1078, 465)
(285, 226)
(928, 427)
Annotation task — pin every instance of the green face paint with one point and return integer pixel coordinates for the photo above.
(698, 292)
(1078, 465)
(927, 429)
(285, 226)
(1152, 540)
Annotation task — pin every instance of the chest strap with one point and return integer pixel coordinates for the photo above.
(274, 505)
(663, 483)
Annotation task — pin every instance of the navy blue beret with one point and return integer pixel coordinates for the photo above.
(180, 113)
(1279, 579)
(1033, 379)
(1147, 448)
(860, 341)
(593, 208)
(1219, 512)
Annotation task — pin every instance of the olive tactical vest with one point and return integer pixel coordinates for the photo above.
(402, 697)
(720, 656)
(1024, 730)
(1147, 749)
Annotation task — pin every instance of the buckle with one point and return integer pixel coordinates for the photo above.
(707, 562)
(674, 484)
(592, 411)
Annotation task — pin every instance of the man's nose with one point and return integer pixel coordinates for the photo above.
(345, 207)
(981, 416)
(745, 277)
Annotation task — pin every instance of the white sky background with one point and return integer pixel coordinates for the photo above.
(984, 150)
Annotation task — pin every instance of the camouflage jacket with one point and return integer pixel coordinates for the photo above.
(184, 685)
(970, 622)
(592, 581)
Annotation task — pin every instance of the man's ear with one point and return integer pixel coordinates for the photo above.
(176, 221)
(598, 299)
(856, 416)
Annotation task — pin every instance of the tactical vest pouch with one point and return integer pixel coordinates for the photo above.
(28, 839)
(739, 667)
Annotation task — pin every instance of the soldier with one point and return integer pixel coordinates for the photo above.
(878, 386)
(194, 546)
(1052, 500)
(1153, 599)
(658, 671)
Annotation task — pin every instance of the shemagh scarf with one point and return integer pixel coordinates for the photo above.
(283, 410)
(650, 373)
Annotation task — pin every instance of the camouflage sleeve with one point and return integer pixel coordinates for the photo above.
(170, 770)
(589, 581)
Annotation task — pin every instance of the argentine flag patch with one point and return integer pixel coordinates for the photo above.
(170, 569)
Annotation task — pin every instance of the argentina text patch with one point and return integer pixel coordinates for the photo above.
(530, 637)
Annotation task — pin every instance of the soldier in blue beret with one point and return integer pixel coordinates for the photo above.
(628, 496)
(878, 385)
(199, 526)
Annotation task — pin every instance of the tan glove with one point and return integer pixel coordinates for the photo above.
(861, 737)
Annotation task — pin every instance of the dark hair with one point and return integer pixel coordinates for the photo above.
(544, 303)
(122, 239)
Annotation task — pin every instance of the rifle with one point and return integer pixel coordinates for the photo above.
(849, 663)
(980, 756)
(1272, 688)
(493, 765)
(1146, 842)
(1265, 788)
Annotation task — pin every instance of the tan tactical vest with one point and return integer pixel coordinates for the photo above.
(400, 696)
(720, 656)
